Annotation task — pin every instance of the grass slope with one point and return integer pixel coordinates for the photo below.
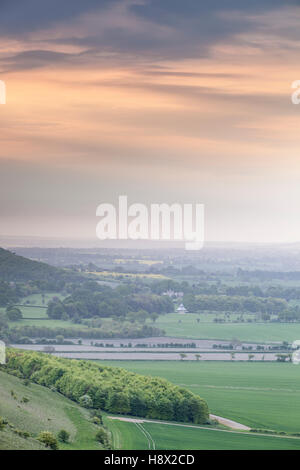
(45, 411)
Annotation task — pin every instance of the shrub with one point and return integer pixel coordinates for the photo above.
(102, 437)
(48, 439)
(63, 435)
(96, 414)
(2, 423)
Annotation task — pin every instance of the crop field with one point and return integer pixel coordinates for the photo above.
(259, 395)
(44, 411)
(147, 435)
(186, 326)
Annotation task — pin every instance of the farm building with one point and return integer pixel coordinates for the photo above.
(181, 309)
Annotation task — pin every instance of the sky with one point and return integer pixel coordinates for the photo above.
(161, 100)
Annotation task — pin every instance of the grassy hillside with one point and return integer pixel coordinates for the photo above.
(260, 395)
(45, 411)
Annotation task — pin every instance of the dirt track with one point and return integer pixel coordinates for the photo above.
(226, 422)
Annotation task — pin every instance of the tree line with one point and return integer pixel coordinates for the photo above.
(223, 303)
(112, 389)
(92, 300)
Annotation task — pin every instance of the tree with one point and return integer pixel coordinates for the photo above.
(182, 356)
(63, 435)
(86, 401)
(198, 356)
(48, 439)
(154, 317)
(55, 309)
(118, 402)
(14, 314)
(284, 357)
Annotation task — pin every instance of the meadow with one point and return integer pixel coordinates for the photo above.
(259, 395)
(186, 326)
(147, 435)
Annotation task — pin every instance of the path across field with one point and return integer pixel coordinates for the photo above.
(226, 422)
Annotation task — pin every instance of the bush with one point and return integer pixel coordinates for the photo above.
(63, 435)
(96, 420)
(102, 437)
(48, 439)
(97, 416)
(2, 423)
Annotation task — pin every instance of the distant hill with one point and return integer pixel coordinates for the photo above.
(17, 268)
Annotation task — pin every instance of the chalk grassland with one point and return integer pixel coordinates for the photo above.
(129, 436)
(256, 332)
(259, 395)
(45, 411)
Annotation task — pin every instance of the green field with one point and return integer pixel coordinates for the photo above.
(33, 312)
(259, 395)
(258, 332)
(171, 436)
(45, 411)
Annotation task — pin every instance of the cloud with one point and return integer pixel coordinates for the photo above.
(152, 30)
(32, 59)
(19, 17)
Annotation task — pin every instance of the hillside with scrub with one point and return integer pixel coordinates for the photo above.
(30, 412)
